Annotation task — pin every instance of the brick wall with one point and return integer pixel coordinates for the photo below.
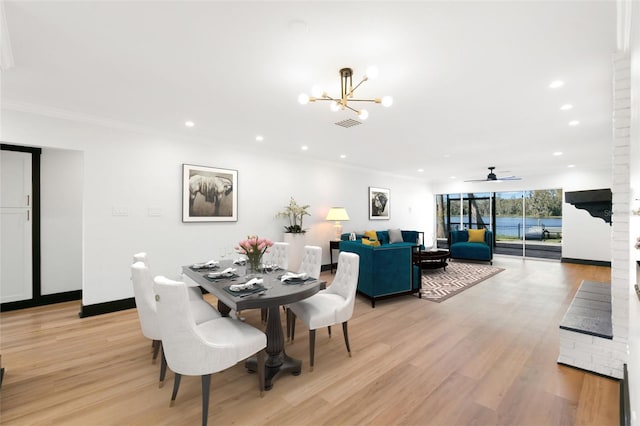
(607, 356)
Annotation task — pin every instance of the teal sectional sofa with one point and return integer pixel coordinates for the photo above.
(461, 248)
(386, 270)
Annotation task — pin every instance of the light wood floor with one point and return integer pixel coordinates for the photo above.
(486, 356)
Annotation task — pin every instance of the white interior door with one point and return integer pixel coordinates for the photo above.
(16, 272)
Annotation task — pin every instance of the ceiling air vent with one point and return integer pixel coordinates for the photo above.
(348, 123)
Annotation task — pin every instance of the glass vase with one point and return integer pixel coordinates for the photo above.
(254, 265)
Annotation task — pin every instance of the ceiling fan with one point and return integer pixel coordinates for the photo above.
(491, 177)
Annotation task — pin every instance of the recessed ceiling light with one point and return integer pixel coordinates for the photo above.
(189, 123)
(571, 166)
(447, 155)
(452, 177)
(566, 107)
(420, 170)
(555, 84)
(343, 156)
(574, 123)
(557, 153)
(259, 138)
(304, 147)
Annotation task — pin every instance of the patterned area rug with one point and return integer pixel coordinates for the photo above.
(439, 285)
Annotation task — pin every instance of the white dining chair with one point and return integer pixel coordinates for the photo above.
(147, 314)
(311, 265)
(333, 305)
(311, 261)
(280, 254)
(202, 349)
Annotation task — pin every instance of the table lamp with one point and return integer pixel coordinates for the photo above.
(337, 214)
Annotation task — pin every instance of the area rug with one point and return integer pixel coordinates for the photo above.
(439, 285)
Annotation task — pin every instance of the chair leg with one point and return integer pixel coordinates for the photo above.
(163, 367)
(287, 312)
(312, 347)
(346, 337)
(329, 328)
(206, 383)
(261, 371)
(293, 324)
(176, 385)
(156, 348)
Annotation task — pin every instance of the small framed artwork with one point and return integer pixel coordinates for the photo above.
(209, 194)
(379, 200)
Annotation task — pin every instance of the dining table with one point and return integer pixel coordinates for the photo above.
(271, 294)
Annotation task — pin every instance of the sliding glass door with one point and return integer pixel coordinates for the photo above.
(524, 223)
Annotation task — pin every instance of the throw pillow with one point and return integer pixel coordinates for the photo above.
(395, 236)
(371, 235)
(476, 235)
(368, 242)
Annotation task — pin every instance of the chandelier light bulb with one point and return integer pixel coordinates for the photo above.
(372, 72)
(316, 91)
(303, 98)
(334, 106)
(387, 101)
(363, 114)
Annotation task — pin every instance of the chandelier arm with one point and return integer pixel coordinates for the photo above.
(354, 110)
(354, 89)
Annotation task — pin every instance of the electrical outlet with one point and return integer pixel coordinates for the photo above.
(119, 211)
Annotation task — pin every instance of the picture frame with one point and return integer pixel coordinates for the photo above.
(209, 194)
(379, 203)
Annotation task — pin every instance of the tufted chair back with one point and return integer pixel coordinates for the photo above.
(311, 261)
(345, 284)
(280, 254)
(180, 340)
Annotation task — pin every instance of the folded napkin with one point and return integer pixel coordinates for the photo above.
(246, 286)
(292, 276)
(240, 261)
(227, 271)
(209, 264)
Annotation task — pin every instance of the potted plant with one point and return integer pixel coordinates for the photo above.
(294, 232)
(295, 213)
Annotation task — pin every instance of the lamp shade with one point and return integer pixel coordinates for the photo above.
(337, 213)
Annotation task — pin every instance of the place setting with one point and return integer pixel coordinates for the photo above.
(210, 265)
(228, 273)
(254, 286)
(293, 278)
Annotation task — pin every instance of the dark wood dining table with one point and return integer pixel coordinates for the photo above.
(276, 294)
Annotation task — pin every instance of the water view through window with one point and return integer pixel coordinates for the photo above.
(524, 223)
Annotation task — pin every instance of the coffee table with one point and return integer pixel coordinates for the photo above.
(431, 259)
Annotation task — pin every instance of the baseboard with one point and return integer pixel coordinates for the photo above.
(106, 307)
(47, 299)
(585, 262)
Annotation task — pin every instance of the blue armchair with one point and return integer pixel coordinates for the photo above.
(461, 248)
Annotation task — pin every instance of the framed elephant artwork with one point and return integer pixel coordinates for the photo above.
(209, 194)
(379, 202)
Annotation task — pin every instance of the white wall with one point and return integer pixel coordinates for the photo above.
(583, 236)
(61, 179)
(133, 172)
(634, 303)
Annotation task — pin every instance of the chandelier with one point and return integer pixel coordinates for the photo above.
(346, 95)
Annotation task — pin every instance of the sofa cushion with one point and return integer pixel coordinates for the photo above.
(371, 235)
(383, 237)
(395, 236)
(476, 235)
(369, 242)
